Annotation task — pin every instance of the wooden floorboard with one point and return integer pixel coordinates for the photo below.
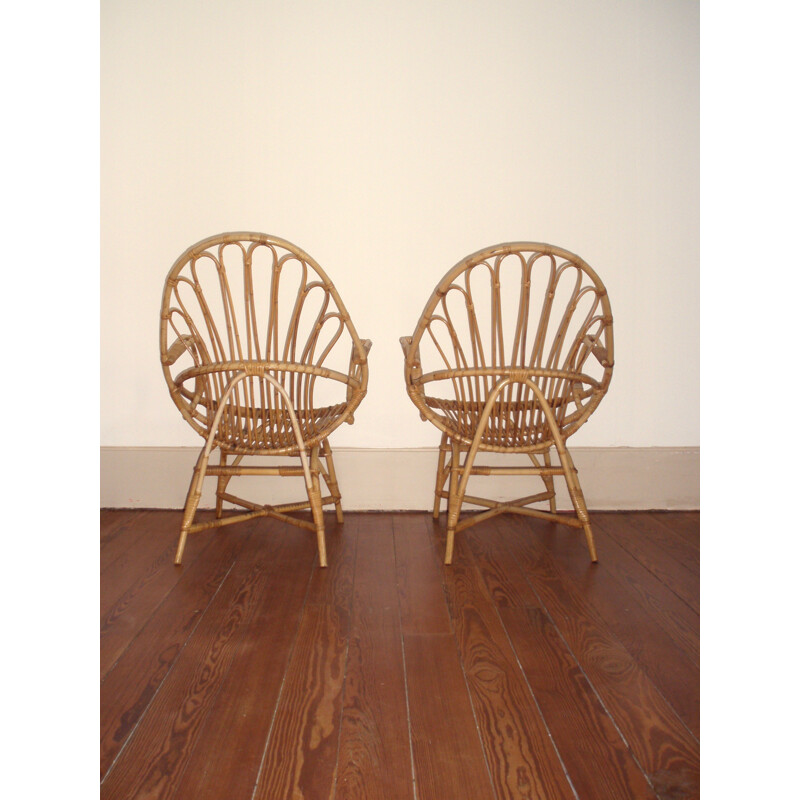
(153, 761)
(302, 749)
(419, 580)
(684, 525)
(595, 756)
(635, 625)
(645, 541)
(142, 584)
(134, 679)
(516, 739)
(521, 671)
(115, 538)
(448, 754)
(680, 622)
(244, 707)
(659, 738)
(374, 750)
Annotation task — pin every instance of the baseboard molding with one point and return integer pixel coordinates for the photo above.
(613, 478)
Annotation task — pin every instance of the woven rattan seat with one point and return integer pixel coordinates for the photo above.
(262, 359)
(512, 354)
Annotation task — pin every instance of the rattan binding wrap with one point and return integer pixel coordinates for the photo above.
(262, 359)
(512, 354)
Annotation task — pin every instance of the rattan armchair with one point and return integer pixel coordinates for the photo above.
(262, 359)
(512, 354)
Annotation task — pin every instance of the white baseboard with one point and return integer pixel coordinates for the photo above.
(613, 478)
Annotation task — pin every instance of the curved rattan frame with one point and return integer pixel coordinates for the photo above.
(524, 396)
(249, 391)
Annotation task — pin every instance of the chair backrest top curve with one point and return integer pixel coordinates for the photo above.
(513, 306)
(247, 315)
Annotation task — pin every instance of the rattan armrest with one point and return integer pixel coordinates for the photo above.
(413, 367)
(357, 373)
(176, 350)
(357, 360)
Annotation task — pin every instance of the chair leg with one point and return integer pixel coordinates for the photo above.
(576, 494)
(315, 499)
(441, 476)
(222, 484)
(570, 473)
(457, 488)
(192, 501)
(549, 482)
(333, 484)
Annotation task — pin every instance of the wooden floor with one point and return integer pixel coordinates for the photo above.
(522, 671)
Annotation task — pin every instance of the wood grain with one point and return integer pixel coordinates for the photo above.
(636, 626)
(131, 610)
(685, 524)
(520, 671)
(645, 542)
(597, 759)
(448, 756)
(374, 751)
(301, 753)
(143, 553)
(675, 617)
(118, 530)
(240, 720)
(134, 680)
(153, 761)
(660, 740)
(667, 539)
(515, 738)
(419, 581)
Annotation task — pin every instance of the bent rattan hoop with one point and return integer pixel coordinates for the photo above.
(518, 350)
(252, 332)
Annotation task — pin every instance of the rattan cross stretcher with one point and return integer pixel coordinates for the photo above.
(512, 354)
(262, 359)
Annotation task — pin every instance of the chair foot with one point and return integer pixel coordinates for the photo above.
(315, 498)
(448, 550)
(330, 478)
(587, 529)
(321, 550)
(181, 546)
(441, 476)
(192, 502)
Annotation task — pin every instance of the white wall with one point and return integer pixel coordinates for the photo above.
(389, 140)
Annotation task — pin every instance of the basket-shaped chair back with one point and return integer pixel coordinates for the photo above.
(532, 312)
(254, 302)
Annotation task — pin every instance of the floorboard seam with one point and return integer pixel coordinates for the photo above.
(166, 675)
(591, 685)
(429, 526)
(524, 676)
(283, 680)
(155, 611)
(405, 668)
(646, 567)
(351, 625)
(615, 639)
